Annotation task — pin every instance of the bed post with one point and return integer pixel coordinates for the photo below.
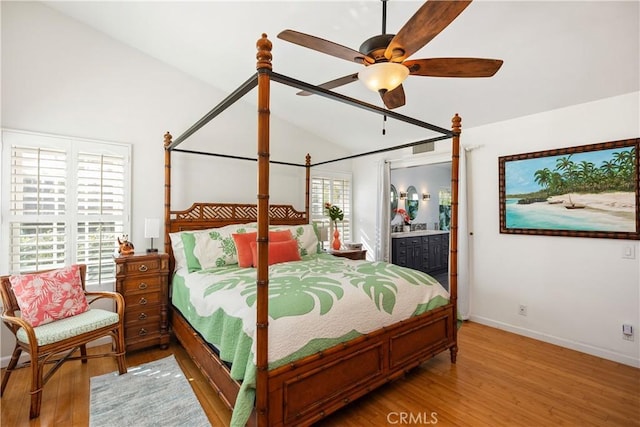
(262, 317)
(453, 268)
(307, 167)
(167, 196)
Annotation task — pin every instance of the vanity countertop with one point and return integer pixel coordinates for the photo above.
(417, 233)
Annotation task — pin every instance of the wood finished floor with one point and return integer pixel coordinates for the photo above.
(500, 379)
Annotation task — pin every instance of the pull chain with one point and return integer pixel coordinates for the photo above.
(384, 122)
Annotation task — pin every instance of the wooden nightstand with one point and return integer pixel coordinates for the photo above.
(351, 253)
(143, 282)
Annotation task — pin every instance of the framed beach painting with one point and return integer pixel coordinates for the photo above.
(585, 191)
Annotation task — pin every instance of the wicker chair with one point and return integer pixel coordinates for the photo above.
(56, 342)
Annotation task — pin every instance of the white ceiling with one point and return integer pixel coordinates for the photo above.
(555, 54)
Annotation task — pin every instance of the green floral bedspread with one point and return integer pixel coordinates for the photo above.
(313, 304)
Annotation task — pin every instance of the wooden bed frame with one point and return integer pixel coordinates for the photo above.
(309, 389)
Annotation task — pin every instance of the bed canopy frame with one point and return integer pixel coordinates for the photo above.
(437, 328)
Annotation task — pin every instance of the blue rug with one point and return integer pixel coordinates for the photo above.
(154, 394)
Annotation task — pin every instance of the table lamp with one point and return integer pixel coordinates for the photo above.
(151, 231)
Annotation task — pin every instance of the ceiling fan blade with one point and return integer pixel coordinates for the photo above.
(341, 81)
(394, 98)
(324, 46)
(453, 67)
(422, 27)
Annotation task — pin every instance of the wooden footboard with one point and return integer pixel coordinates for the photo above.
(306, 391)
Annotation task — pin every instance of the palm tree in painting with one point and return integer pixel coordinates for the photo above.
(587, 175)
(614, 174)
(543, 178)
(609, 170)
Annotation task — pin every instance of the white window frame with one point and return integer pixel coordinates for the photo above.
(72, 146)
(322, 218)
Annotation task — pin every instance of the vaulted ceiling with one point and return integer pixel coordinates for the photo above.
(555, 54)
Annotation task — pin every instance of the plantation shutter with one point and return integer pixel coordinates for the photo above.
(68, 203)
(334, 190)
(101, 214)
(37, 238)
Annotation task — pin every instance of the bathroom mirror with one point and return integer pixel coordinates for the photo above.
(412, 203)
(394, 200)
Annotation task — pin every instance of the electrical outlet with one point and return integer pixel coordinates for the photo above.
(627, 332)
(522, 310)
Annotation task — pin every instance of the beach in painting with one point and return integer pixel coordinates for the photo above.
(611, 211)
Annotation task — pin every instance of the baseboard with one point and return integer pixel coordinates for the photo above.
(4, 361)
(573, 345)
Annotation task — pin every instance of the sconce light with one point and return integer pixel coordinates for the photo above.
(426, 196)
(151, 231)
(403, 195)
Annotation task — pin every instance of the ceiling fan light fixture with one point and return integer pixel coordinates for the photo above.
(384, 76)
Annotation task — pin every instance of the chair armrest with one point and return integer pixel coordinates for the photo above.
(115, 296)
(14, 323)
(18, 322)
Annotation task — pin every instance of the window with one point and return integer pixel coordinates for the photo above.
(65, 201)
(444, 213)
(335, 189)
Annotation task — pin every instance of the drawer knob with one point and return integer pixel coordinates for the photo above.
(142, 286)
(143, 301)
(143, 268)
(142, 332)
(142, 316)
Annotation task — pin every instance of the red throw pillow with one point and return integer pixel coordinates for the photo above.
(52, 295)
(243, 249)
(243, 241)
(278, 252)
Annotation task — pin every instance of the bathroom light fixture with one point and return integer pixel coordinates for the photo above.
(426, 196)
(403, 195)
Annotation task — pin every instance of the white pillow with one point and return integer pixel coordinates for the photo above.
(212, 247)
(178, 250)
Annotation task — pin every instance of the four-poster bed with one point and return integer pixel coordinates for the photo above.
(303, 391)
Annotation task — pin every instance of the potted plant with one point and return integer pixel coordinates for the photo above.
(335, 214)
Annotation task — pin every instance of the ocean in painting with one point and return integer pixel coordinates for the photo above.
(556, 217)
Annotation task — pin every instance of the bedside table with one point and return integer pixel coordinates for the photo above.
(142, 279)
(354, 254)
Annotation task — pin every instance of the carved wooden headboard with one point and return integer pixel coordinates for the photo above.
(212, 215)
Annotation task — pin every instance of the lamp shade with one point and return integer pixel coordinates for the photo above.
(383, 76)
(151, 228)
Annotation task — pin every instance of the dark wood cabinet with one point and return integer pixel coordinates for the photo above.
(143, 282)
(428, 253)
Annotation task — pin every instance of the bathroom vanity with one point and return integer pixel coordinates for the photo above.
(424, 250)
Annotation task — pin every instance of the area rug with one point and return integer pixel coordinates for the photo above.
(154, 394)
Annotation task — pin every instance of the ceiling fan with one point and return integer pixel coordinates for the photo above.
(385, 56)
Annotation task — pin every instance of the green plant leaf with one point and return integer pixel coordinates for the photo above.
(295, 296)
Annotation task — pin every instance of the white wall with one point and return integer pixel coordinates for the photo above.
(578, 291)
(61, 77)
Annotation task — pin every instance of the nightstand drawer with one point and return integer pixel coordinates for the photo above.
(142, 285)
(152, 265)
(141, 330)
(144, 314)
(133, 302)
